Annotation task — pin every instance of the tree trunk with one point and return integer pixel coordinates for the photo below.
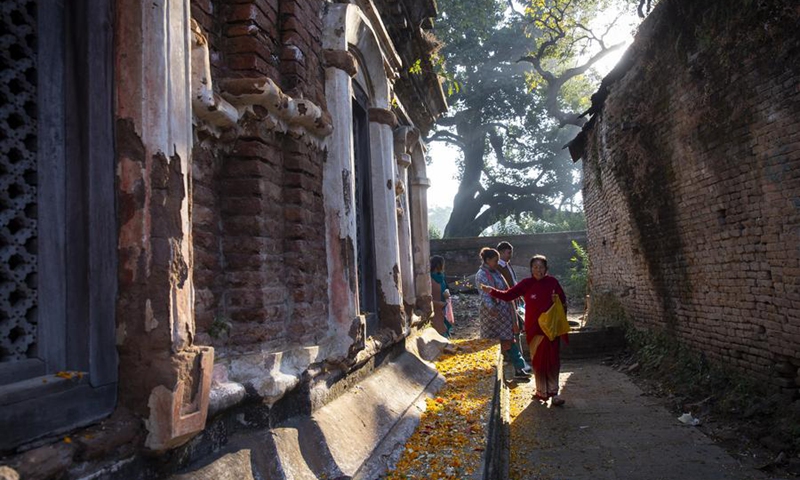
(467, 205)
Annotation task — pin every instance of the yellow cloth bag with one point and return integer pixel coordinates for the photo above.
(554, 321)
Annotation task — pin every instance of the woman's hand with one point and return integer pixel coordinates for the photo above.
(486, 288)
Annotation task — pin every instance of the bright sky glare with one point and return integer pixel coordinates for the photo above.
(443, 169)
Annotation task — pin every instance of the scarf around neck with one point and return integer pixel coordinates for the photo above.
(438, 277)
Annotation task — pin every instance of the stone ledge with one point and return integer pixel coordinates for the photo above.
(353, 435)
(593, 343)
(496, 457)
(589, 343)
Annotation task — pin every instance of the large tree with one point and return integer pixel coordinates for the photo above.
(518, 92)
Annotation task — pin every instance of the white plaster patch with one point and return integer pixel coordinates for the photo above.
(122, 332)
(129, 173)
(224, 394)
(150, 322)
(297, 54)
(272, 374)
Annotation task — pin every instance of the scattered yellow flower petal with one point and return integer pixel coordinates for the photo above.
(451, 436)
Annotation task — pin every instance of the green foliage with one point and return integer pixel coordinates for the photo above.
(220, 327)
(686, 372)
(416, 68)
(578, 278)
(437, 64)
(437, 217)
(434, 233)
(563, 31)
(512, 168)
(551, 221)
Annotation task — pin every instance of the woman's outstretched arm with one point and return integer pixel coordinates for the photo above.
(507, 295)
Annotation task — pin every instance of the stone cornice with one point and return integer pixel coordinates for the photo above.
(343, 60)
(210, 111)
(393, 62)
(299, 117)
(383, 116)
(421, 182)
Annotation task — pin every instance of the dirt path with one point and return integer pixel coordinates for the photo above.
(609, 430)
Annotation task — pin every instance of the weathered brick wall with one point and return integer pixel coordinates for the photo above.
(692, 184)
(462, 254)
(258, 218)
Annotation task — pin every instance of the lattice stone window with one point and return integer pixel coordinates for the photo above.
(18, 177)
(57, 219)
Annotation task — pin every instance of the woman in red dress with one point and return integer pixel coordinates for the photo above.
(539, 291)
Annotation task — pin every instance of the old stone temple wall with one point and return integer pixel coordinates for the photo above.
(216, 219)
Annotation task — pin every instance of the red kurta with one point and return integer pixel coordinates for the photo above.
(538, 299)
(545, 354)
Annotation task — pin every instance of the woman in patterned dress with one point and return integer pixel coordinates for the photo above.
(497, 317)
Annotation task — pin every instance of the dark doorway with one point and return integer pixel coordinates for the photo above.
(365, 235)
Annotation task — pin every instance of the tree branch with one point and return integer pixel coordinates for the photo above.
(575, 71)
(447, 137)
(497, 144)
(503, 209)
(533, 60)
(514, 9)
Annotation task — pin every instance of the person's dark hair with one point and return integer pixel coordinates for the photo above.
(488, 253)
(539, 257)
(436, 262)
(503, 246)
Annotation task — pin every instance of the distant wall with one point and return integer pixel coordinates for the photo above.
(461, 254)
(692, 184)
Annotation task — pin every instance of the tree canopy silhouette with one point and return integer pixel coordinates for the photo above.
(524, 75)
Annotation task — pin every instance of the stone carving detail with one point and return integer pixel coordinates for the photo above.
(18, 142)
(343, 60)
(383, 116)
(172, 421)
(299, 117)
(213, 113)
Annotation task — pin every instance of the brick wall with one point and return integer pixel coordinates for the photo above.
(692, 184)
(258, 217)
(461, 254)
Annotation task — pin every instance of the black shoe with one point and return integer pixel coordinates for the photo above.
(522, 373)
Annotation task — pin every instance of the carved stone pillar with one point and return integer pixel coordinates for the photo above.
(339, 177)
(347, 28)
(401, 136)
(163, 376)
(420, 241)
(387, 247)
